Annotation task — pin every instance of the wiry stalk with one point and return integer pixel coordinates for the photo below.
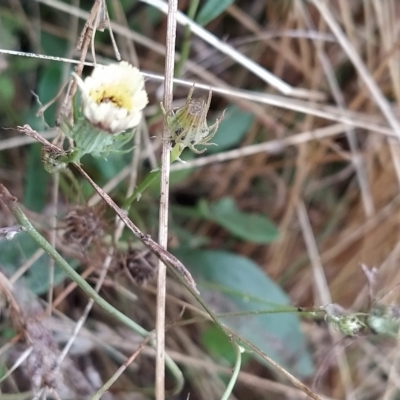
(163, 222)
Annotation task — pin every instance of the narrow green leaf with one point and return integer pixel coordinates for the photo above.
(211, 10)
(247, 226)
(231, 283)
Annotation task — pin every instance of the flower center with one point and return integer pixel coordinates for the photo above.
(116, 94)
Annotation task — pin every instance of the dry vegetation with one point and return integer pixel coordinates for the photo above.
(320, 160)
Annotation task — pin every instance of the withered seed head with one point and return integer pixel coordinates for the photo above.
(140, 265)
(82, 225)
(188, 124)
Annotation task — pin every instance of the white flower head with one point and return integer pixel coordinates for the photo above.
(113, 97)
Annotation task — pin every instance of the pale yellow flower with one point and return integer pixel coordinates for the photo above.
(113, 97)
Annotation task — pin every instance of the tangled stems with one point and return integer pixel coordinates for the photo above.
(12, 204)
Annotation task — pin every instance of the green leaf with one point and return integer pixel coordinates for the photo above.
(35, 189)
(13, 253)
(53, 45)
(187, 239)
(231, 283)
(211, 10)
(255, 228)
(107, 168)
(6, 88)
(50, 79)
(232, 129)
(219, 346)
(47, 89)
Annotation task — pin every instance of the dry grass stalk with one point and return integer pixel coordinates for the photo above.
(296, 168)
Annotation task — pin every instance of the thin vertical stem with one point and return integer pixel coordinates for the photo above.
(187, 36)
(163, 222)
(53, 238)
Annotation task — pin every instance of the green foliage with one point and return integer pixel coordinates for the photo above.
(17, 251)
(50, 78)
(232, 129)
(7, 89)
(255, 228)
(219, 346)
(47, 89)
(36, 180)
(188, 240)
(231, 283)
(7, 333)
(10, 24)
(211, 10)
(107, 168)
(53, 45)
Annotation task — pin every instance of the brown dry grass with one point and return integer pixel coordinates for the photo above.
(350, 225)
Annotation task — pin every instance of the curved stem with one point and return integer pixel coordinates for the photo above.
(12, 204)
(236, 370)
(150, 178)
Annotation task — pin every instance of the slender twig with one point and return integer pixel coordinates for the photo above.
(376, 93)
(17, 363)
(164, 197)
(364, 121)
(53, 238)
(275, 146)
(14, 142)
(23, 268)
(300, 385)
(223, 47)
(119, 371)
(12, 204)
(167, 258)
(107, 262)
(100, 21)
(322, 290)
(357, 160)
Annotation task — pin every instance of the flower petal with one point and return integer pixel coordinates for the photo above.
(113, 97)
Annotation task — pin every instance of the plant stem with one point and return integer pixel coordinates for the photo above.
(53, 236)
(164, 197)
(12, 204)
(238, 363)
(150, 178)
(118, 373)
(193, 6)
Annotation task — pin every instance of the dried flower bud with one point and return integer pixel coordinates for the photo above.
(188, 124)
(82, 225)
(53, 158)
(140, 265)
(347, 323)
(384, 319)
(113, 97)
